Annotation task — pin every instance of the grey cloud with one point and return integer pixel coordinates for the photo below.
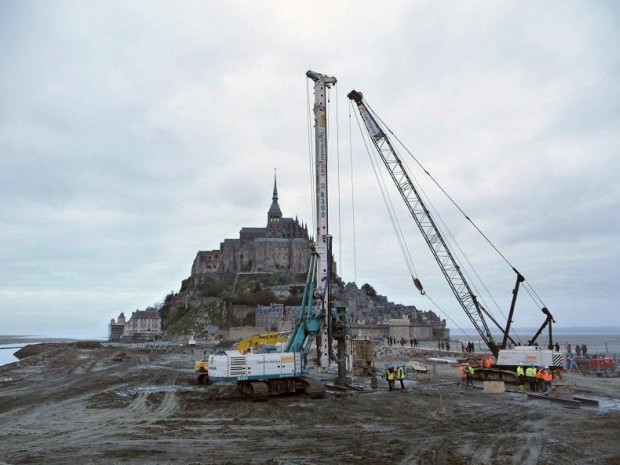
(134, 134)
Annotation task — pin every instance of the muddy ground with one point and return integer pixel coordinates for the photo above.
(69, 405)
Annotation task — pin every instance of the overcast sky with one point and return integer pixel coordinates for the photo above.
(133, 134)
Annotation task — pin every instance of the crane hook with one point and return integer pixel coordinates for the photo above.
(418, 285)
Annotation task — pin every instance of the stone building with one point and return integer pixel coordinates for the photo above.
(143, 325)
(376, 318)
(270, 317)
(407, 329)
(116, 328)
(282, 245)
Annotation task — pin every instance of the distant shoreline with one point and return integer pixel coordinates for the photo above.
(14, 339)
(559, 331)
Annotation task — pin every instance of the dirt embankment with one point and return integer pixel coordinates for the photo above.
(66, 405)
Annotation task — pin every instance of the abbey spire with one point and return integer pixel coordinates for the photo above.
(274, 216)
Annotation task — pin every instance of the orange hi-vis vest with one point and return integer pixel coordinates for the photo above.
(539, 374)
(547, 376)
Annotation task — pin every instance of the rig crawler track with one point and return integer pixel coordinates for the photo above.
(260, 391)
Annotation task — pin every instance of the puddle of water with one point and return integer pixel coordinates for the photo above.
(154, 390)
(608, 404)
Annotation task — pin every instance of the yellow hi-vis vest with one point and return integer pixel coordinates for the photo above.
(390, 375)
(400, 373)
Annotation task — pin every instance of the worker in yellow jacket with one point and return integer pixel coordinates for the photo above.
(400, 375)
(390, 376)
(470, 374)
(520, 377)
(530, 375)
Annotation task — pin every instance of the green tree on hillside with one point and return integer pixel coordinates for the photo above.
(369, 290)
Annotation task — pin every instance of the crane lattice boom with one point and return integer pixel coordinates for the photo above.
(447, 263)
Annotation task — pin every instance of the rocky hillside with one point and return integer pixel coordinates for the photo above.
(215, 301)
(212, 301)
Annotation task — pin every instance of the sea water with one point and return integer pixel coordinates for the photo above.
(599, 341)
(10, 344)
(7, 351)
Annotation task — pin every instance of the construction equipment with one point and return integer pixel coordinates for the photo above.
(452, 270)
(120, 357)
(261, 375)
(201, 367)
(256, 343)
(602, 365)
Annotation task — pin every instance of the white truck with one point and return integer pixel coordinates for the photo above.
(526, 355)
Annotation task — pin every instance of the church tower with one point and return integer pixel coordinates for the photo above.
(274, 216)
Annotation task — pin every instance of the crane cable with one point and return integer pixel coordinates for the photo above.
(338, 183)
(448, 316)
(449, 237)
(398, 230)
(530, 290)
(451, 200)
(452, 239)
(462, 255)
(389, 206)
(396, 224)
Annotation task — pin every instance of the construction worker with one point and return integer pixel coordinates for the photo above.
(530, 376)
(488, 361)
(547, 377)
(520, 376)
(400, 375)
(463, 374)
(390, 375)
(470, 374)
(539, 379)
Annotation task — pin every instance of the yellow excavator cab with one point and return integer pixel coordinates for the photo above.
(201, 366)
(259, 340)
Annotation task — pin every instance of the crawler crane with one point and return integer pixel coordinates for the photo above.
(507, 359)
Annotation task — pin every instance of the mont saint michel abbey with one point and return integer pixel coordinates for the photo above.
(282, 245)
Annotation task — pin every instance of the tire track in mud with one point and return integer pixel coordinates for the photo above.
(479, 442)
(134, 412)
(64, 431)
(529, 452)
(167, 408)
(515, 449)
(138, 405)
(77, 420)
